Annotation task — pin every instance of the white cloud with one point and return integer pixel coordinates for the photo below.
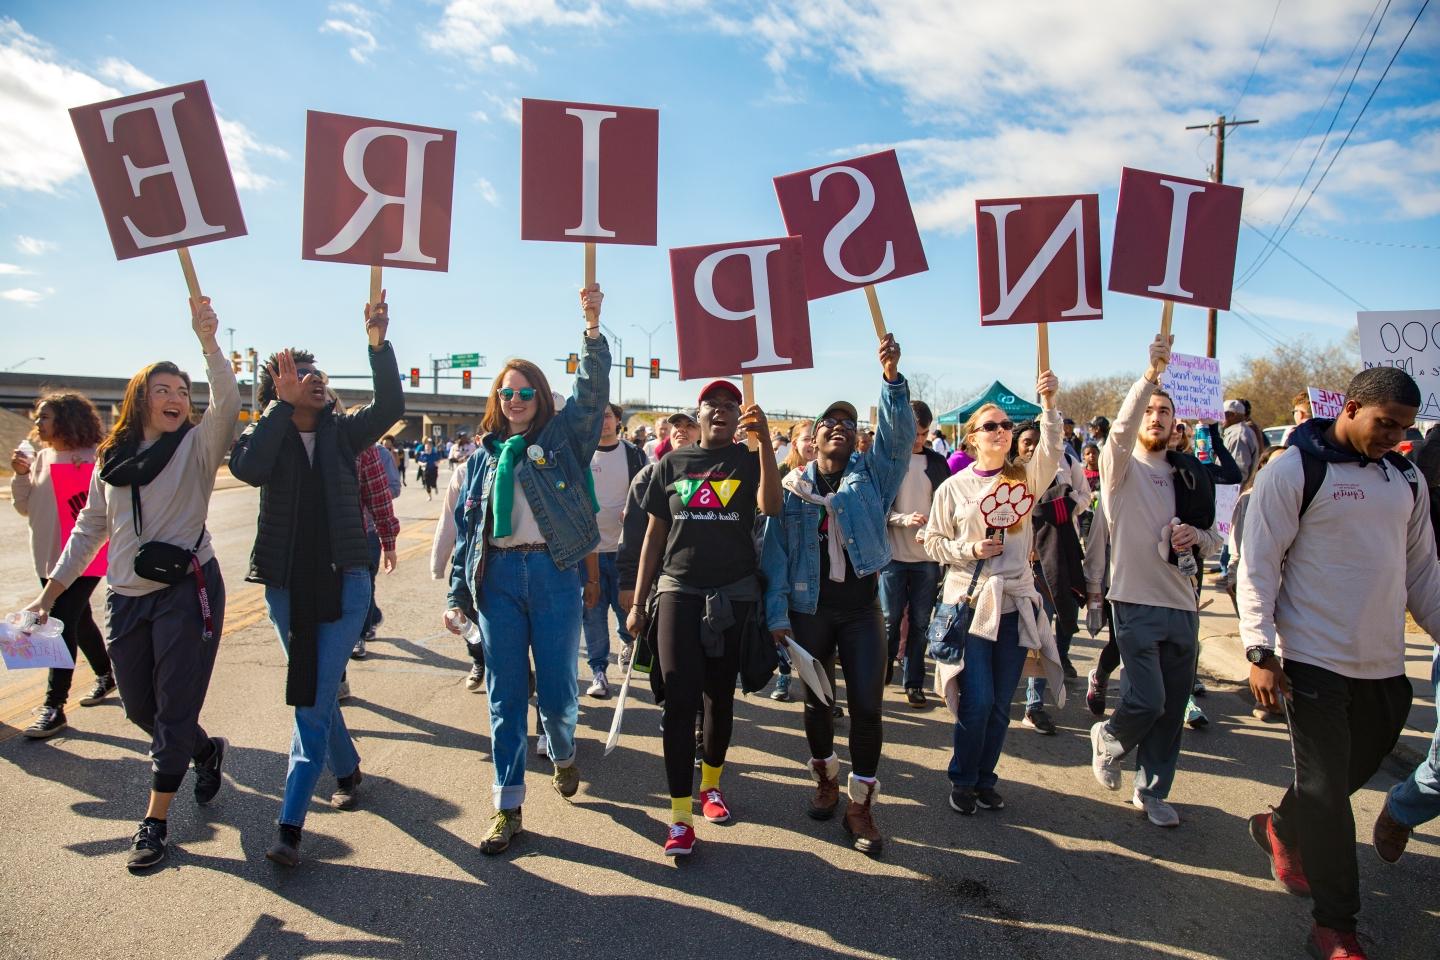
(480, 116)
(241, 146)
(34, 246)
(353, 22)
(127, 75)
(509, 107)
(477, 29)
(24, 296)
(13, 270)
(487, 192)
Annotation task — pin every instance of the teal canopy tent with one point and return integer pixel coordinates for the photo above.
(1002, 396)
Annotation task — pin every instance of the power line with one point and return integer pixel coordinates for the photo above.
(1263, 44)
(1371, 243)
(1245, 319)
(1309, 269)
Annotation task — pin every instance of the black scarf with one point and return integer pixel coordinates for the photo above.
(126, 465)
(314, 581)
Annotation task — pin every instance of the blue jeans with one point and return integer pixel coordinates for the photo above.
(597, 618)
(909, 586)
(987, 685)
(320, 738)
(528, 608)
(372, 616)
(1035, 686)
(1417, 799)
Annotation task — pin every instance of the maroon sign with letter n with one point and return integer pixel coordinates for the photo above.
(741, 308)
(1175, 238)
(1039, 259)
(588, 172)
(159, 169)
(377, 193)
(856, 221)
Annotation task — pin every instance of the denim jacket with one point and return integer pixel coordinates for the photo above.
(790, 558)
(557, 491)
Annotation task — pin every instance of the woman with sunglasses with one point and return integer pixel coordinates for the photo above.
(522, 528)
(822, 564)
(1003, 593)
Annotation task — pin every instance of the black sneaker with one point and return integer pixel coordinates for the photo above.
(989, 799)
(347, 791)
(50, 721)
(207, 774)
(915, 696)
(962, 800)
(147, 847)
(837, 711)
(1040, 722)
(104, 684)
(1070, 672)
(286, 848)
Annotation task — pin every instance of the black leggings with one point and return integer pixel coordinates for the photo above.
(1109, 660)
(72, 608)
(692, 680)
(858, 636)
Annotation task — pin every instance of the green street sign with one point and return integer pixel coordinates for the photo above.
(464, 359)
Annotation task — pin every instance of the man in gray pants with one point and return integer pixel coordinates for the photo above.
(1156, 615)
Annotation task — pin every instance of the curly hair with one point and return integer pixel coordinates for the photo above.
(77, 423)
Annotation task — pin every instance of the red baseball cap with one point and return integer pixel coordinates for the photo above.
(721, 384)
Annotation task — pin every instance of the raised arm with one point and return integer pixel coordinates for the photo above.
(374, 420)
(1115, 456)
(217, 426)
(1045, 463)
(583, 414)
(889, 456)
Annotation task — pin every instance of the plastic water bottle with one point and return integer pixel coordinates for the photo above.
(27, 448)
(23, 621)
(1094, 618)
(1185, 559)
(469, 630)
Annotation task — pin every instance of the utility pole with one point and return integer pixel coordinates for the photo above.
(1217, 175)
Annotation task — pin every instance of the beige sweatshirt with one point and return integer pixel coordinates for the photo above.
(1138, 491)
(174, 505)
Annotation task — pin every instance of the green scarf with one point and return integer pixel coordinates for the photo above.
(510, 451)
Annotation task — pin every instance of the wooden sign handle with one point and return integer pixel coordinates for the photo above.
(1042, 348)
(375, 286)
(875, 315)
(747, 397)
(187, 267)
(592, 319)
(1166, 313)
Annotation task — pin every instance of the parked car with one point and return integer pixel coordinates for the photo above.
(1274, 436)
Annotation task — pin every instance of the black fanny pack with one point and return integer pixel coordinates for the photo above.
(160, 561)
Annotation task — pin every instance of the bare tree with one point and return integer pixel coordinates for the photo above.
(1098, 396)
(1272, 380)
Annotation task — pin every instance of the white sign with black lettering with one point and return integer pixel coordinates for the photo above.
(1410, 340)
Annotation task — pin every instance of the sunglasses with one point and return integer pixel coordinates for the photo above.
(990, 426)
(508, 393)
(302, 372)
(831, 423)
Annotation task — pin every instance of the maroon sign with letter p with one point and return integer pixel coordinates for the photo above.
(159, 169)
(1175, 238)
(377, 193)
(1039, 259)
(741, 308)
(589, 173)
(856, 221)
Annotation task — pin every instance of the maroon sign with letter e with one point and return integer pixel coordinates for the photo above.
(588, 172)
(159, 169)
(856, 221)
(377, 193)
(1175, 238)
(1039, 259)
(741, 308)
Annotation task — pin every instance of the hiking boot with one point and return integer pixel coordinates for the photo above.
(147, 847)
(207, 774)
(1157, 811)
(1325, 943)
(1390, 835)
(50, 721)
(475, 682)
(506, 826)
(712, 805)
(104, 685)
(599, 687)
(1095, 694)
(1285, 864)
(988, 798)
(782, 688)
(347, 791)
(859, 818)
(286, 848)
(1195, 717)
(962, 800)
(357, 652)
(825, 773)
(1039, 721)
(681, 840)
(915, 696)
(566, 780)
(1105, 755)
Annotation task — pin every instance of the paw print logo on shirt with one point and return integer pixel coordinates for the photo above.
(1006, 505)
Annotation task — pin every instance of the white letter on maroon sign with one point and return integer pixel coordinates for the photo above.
(590, 121)
(848, 224)
(1010, 297)
(765, 354)
(175, 165)
(375, 201)
(1180, 194)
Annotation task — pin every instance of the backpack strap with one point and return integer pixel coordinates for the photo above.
(1407, 470)
(1314, 469)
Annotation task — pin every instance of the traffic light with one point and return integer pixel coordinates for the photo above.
(235, 360)
(414, 376)
(654, 368)
(465, 379)
(254, 358)
(572, 363)
(629, 366)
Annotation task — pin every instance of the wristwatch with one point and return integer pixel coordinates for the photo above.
(1258, 655)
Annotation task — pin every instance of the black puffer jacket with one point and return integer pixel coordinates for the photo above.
(256, 459)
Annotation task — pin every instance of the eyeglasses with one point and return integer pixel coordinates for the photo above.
(990, 426)
(302, 372)
(830, 423)
(508, 393)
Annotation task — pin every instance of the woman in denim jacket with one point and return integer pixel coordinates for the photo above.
(523, 525)
(821, 562)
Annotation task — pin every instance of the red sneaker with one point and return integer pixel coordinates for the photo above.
(1328, 944)
(712, 805)
(681, 842)
(1285, 865)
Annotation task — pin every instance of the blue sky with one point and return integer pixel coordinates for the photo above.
(982, 99)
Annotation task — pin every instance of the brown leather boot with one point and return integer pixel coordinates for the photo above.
(1390, 835)
(859, 821)
(826, 774)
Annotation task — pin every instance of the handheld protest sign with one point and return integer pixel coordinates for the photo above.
(1004, 506)
(1039, 259)
(1175, 238)
(160, 172)
(1325, 404)
(1194, 387)
(858, 228)
(1410, 340)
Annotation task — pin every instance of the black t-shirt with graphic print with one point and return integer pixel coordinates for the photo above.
(708, 496)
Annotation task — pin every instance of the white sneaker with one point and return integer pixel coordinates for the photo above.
(542, 746)
(599, 687)
(343, 693)
(1158, 811)
(1105, 754)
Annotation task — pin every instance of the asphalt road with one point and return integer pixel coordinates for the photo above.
(1066, 869)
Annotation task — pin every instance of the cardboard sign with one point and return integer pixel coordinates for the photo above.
(1006, 505)
(741, 308)
(1175, 238)
(1194, 385)
(1227, 495)
(377, 193)
(159, 170)
(856, 221)
(1325, 404)
(589, 173)
(71, 484)
(1039, 259)
(1410, 340)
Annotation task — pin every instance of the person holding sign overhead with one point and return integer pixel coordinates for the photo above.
(523, 526)
(822, 561)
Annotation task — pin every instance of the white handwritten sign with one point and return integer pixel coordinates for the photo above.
(1325, 404)
(1226, 496)
(1410, 340)
(1194, 384)
(24, 650)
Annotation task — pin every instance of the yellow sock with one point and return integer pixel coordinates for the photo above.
(681, 810)
(710, 776)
